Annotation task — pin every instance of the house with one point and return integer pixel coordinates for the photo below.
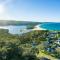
(58, 41)
(52, 34)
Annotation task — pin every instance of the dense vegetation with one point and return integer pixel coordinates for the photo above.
(29, 24)
(27, 46)
(5, 23)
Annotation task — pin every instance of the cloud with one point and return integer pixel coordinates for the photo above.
(5, 1)
(2, 6)
(4, 9)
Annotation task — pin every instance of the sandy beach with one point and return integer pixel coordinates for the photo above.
(37, 27)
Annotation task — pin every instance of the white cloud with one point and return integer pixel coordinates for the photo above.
(5, 1)
(2, 9)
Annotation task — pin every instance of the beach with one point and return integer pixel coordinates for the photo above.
(37, 27)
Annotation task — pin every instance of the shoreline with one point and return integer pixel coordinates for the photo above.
(37, 27)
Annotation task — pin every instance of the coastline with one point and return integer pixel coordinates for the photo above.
(37, 27)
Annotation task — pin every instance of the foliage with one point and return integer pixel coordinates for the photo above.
(26, 46)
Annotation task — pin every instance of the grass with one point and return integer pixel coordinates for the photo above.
(41, 54)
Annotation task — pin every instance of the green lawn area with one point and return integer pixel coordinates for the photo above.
(41, 54)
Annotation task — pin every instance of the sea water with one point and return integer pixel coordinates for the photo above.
(50, 26)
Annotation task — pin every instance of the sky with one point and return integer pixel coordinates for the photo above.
(30, 10)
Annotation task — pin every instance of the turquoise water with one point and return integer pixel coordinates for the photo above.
(50, 26)
(15, 29)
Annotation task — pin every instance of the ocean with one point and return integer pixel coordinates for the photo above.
(51, 26)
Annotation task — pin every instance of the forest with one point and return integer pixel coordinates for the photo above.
(34, 45)
(12, 22)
